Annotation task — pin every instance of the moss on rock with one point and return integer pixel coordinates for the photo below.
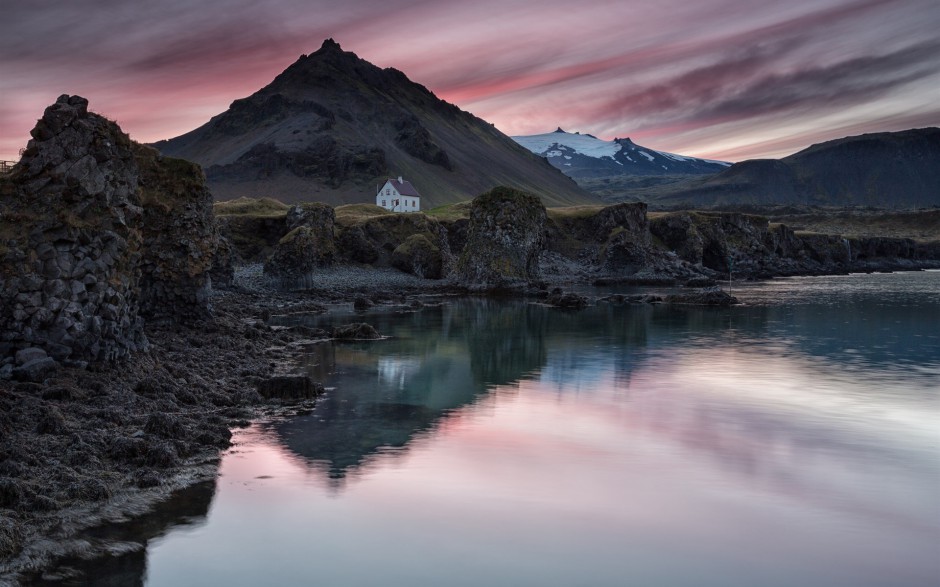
(506, 236)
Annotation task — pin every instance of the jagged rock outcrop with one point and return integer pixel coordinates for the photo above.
(506, 235)
(226, 258)
(309, 244)
(181, 239)
(97, 232)
(413, 243)
(419, 256)
(750, 246)
(71, 240)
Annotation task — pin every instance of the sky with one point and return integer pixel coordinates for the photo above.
(722, 79)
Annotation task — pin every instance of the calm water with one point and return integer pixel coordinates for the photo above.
(792, 441)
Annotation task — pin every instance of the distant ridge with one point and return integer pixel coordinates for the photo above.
(332, 126)
(585, 156)
(892, 170)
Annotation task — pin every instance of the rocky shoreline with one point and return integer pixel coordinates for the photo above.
(136, 321)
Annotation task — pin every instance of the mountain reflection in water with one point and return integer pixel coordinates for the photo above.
(790, 441)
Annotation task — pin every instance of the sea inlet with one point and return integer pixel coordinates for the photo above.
(790, 440)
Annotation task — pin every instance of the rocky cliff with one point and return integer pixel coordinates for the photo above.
(96, 233)
(181, 239)
(71, 223)
(504, 238)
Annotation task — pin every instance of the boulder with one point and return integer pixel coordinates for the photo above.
(710, 296)
(374, 240)
(570, 300)
(308, 245)
(36, 371)
(418, 256)
(26, 355)
(290, 387)
(506, 235)
(356, 331)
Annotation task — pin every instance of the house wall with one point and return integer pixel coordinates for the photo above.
(388, 193)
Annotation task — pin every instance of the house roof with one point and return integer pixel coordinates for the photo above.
(404, 188)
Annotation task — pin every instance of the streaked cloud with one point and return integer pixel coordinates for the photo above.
(718, 78)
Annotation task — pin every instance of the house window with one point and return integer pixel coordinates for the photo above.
(383, 203)
(388, 191)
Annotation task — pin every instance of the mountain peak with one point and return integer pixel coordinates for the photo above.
(561, 130)
(332, 124)
(584, 155)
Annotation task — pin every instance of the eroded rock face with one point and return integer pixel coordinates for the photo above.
(97, 232)
(418, 256)
(181, 239)
(309, 244)
(71, 240)
(506, 236)
(413, 243)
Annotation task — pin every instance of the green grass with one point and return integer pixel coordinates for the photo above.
(267, 207)
(350, 214)
(451, 212)
(574, 212)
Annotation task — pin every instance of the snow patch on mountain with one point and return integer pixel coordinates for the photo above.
(584, 155)
(587, 145)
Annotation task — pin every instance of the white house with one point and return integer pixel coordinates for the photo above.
(398, 195)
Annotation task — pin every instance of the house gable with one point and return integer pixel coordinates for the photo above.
(398, 195)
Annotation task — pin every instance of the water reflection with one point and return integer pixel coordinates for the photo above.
(187, 508)
(775, 444)
(442, 359)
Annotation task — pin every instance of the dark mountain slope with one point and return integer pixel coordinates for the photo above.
(885, 170)
(332, 126)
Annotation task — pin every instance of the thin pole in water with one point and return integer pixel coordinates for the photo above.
(730, 266)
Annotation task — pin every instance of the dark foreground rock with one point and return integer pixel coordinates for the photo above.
(357, 331)
(289, 387)
(70, 240)
(79, 447)
(96, 234)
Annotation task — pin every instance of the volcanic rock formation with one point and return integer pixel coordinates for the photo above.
(95, 233)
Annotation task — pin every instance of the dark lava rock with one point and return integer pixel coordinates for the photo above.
(566, 300)
(26, 355)
(362, 304)
(74, 205)
(712, 296)
(506, 235)
(36, 371)
(308, 245)
(289, 387)
(418, 256)
(356, 331)
(181, 239)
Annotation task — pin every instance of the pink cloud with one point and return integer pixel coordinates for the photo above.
(691, 78)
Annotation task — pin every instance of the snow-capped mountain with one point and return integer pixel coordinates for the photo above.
(582, 156)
